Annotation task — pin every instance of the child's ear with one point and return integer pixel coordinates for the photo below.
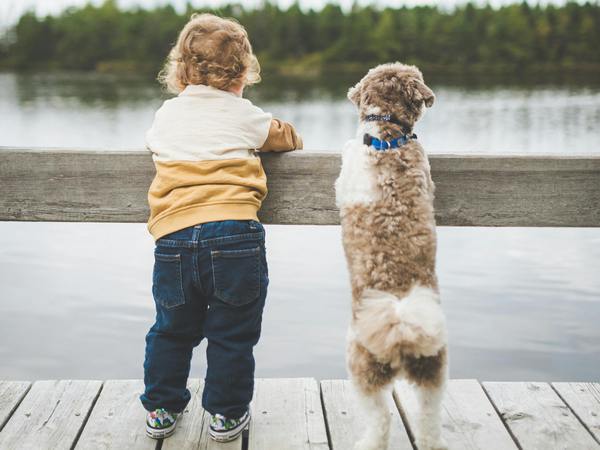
(354, 93)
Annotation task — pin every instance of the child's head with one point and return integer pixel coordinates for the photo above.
(213, 51)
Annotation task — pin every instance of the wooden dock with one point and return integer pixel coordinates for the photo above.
(301, 414)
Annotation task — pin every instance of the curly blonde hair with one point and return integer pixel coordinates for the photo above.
(213, 51)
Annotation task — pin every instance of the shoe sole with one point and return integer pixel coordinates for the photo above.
(229, 435)
(153, 433)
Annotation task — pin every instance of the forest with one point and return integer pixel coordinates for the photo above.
(513, 38)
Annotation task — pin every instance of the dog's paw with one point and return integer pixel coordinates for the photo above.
(371, 443)
(425, 443)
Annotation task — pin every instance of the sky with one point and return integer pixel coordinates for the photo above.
(10, 10)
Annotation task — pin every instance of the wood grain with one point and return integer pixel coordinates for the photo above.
(346, 419)
(11, 394)
(537, 417)
(50, 416)
(287, 414)
(469, 420)
(118, 419)
(484, 190)
(584, 401)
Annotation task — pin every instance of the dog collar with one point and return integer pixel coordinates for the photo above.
(380, 144)
(382, 118)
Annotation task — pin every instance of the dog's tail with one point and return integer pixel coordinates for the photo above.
(385, 324)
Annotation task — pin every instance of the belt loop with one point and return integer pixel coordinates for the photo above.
(196, 233)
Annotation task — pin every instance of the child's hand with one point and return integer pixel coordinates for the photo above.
(282, 138)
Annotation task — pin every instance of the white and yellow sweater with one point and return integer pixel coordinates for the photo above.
(203, 144)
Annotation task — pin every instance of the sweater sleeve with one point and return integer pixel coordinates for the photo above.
(282, 137)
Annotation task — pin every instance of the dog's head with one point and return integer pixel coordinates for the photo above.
(395, 89)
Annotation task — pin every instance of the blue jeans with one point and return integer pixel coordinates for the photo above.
(210, 281)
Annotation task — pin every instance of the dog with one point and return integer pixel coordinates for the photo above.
(385, 196)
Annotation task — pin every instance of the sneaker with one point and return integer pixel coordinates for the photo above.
(223, 429)
(161, 423)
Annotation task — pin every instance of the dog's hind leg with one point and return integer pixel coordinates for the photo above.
(430, 376)
(377, 433)
(371, 381)
(429, 425)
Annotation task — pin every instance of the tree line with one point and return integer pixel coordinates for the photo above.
(512, 37)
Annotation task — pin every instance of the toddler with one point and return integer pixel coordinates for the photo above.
(210, 272)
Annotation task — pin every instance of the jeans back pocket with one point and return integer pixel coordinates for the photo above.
(236, 275)
(167, 281)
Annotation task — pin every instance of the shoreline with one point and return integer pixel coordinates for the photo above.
(303, 71)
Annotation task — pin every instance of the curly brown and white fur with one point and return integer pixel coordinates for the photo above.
(388, 227)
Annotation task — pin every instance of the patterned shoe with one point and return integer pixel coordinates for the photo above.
(223, 429)
(160, 423)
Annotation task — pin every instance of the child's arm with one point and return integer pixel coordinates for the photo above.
(282, 137)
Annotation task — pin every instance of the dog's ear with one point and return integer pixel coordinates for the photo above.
(354, 93)
(422, 93)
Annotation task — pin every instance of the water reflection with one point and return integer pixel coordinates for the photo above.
(111, 111)
(77, 304)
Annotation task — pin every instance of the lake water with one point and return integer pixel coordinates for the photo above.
(75, 298)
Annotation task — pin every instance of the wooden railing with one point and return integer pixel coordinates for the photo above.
(111, 186)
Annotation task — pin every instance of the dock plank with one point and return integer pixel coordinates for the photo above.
(11, 394)
(287, 414)
(192, 430)
(537, 417)
(117, 420)
(346, 419)
(50, 416)
(469, 420)
(584, 401)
